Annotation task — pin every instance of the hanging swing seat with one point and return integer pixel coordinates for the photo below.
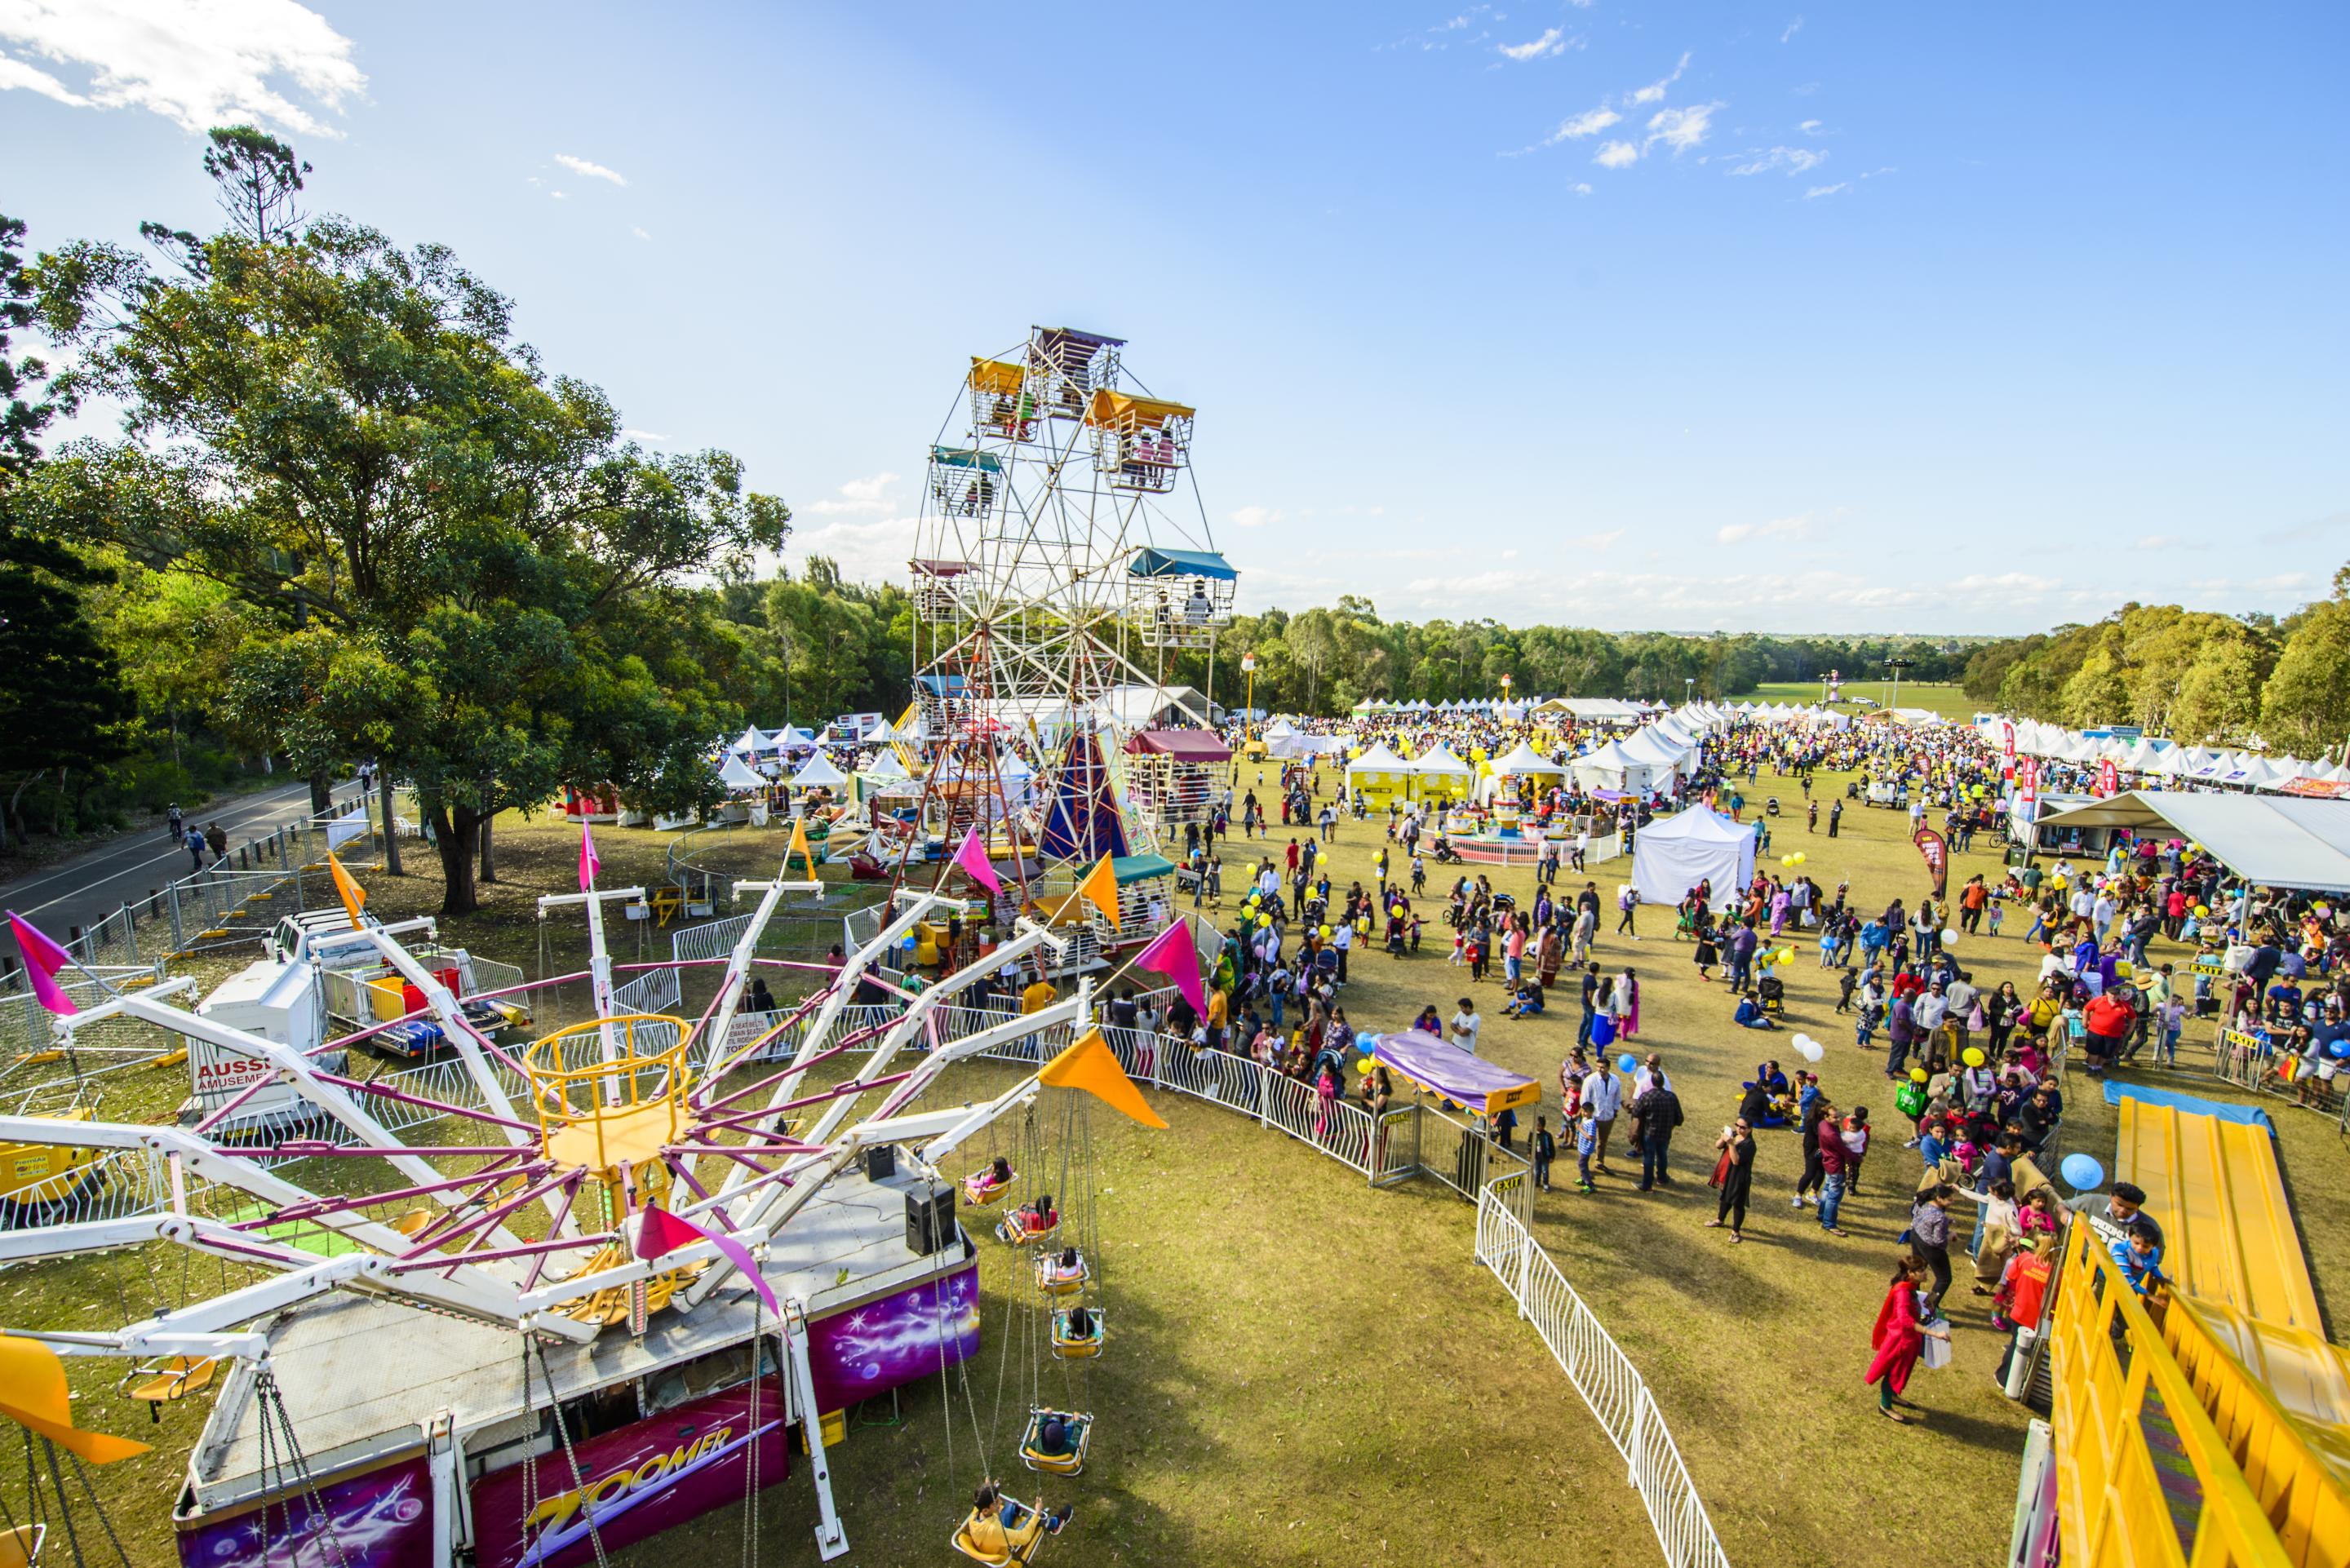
(982, 1538)
(21, 1547)
(980, 1188)
(158, 1384)
(1080, 1429)
(1054, 1280)
(1025, 1225)
(1070, 1346)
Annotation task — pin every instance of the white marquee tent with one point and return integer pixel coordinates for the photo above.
(1609, 769)
(1674, 854)
(2275, 843)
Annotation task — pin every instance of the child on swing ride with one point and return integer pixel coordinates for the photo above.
(984, 1186)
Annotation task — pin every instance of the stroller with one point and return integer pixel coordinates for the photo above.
(1771, 992)
(1771, 806)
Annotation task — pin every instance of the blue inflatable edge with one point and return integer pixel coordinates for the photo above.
(2251, 1115)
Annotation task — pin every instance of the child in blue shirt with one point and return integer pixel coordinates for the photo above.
(1586, 1143)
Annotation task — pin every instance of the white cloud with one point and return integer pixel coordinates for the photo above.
(1617, 155)
(17, 73)
(1552, 42)
(1580, 188)
(1793, 27)
(587, 170)
(1681, 129)
(1655, 91)
(559, 195)
(639, 233)
(1809, 128)
(1255, 517)
(1816, 192)
(1795, 527)
(1793, 160)
(1590, 122)
(2160, 542)
(858, 496)
(654, 436)
(869, 552)
(197, 65)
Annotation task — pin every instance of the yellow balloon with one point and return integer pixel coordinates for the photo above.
(1918, 1075)
(1363, 1066)
(1972, 1057)
(1326, 933)
(2200, 912)
(1264, 920)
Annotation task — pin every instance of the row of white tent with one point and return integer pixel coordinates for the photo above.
(1812, 715)
(818, 772)
(2160, 759)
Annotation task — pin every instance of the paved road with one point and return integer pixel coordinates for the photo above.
(84, 890)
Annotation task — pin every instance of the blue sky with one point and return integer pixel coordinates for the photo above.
(1806, 317)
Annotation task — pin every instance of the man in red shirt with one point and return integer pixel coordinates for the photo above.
(2108, 1018)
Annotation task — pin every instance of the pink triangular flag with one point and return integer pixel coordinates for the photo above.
(588, 864)
(662, 1233)
(43, 959)
(972, 859)
(1170, 954)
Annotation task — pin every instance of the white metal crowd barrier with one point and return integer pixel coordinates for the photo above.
(1600, 1371)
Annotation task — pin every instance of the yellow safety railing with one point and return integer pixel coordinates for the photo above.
(2119, 1389)
(2302, 1490)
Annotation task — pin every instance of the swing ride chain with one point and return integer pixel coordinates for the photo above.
(272, 1404)
(570, 1455)
(751, 1460)
(81, 1474)
(56, 1481)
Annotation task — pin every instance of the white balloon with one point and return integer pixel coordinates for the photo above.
(1950, 936)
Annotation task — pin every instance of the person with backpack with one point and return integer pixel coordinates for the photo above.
(1656, 1112)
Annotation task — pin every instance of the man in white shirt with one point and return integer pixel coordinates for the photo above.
(1604, 1096)
(1462, 1029)
(1343, 939)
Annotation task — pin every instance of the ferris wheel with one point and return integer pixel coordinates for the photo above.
(1062, 553)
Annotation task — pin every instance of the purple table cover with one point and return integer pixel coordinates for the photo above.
(1452, 1072)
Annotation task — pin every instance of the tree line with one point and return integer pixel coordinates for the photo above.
(350, 516)
(2195, 676)
(1325, 659)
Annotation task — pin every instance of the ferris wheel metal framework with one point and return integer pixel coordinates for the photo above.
(1049, 569)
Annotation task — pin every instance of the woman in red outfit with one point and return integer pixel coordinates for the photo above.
(1898, 1338)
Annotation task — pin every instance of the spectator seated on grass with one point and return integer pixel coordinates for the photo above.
(1750, 1014)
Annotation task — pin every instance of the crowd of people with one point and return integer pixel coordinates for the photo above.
(1974, 1066)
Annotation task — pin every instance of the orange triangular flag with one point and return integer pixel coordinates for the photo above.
(800, 848)
(1089, 1065)
(32, 1393)
(354, 897)
(1100, 887)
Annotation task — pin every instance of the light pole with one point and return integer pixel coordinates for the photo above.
(1248, 668)
(1689, 689)
(1897, 666)
(1505, 690)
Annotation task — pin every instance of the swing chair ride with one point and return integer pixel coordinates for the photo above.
(1053, 579)
(563, 1296)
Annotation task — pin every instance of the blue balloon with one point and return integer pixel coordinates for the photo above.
(2339, 1050)
(1627, 1062)
(2081, 1172)
(1365, 1041)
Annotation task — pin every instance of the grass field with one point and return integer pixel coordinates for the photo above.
(1944, 699)
(1304, 1371)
